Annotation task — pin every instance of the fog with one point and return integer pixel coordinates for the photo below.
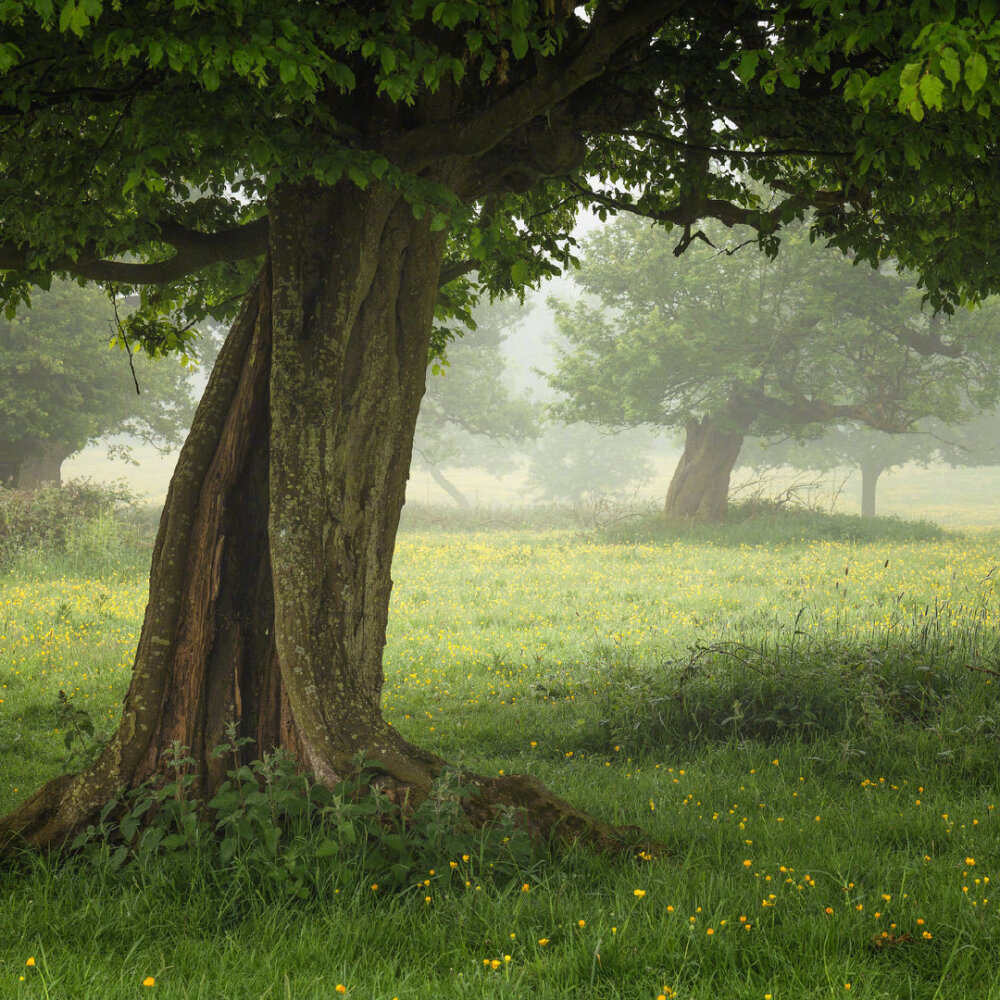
(632, 468)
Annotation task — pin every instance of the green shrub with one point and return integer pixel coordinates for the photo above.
(803, 687)
(92, 527)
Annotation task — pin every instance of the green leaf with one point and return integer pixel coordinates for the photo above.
(975, 72)
(908, 97)
(210, 78)
(519, 273)
(519, 44)
(910, 74)
(950, 66)
(748, 66)
(287, 70)
(931, 89)
(73, 17)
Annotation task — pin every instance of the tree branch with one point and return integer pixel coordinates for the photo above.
(195, 251)
(727, 152)
(555, 81)
(687, 214)
(449, 272)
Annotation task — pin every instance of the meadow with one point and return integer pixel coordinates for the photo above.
(808, 724)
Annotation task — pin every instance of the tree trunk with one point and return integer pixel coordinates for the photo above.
(449, 487)
(270, 583)
(871, 469)
(33, 466)
(700, 486)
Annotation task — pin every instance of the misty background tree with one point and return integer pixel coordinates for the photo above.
(579, 464)
(728, 344)
(377, 165)
(872, 453)
(471, 417)
(63, 385)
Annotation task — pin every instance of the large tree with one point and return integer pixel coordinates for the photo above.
(726, 345)
(362, 158)
(63, 385)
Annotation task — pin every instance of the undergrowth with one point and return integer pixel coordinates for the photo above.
(292, 838)
(754, 522)
(78, 527)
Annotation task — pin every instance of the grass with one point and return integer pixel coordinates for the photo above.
(794, 719)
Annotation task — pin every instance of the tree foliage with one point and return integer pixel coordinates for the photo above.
(773, 346)
(877, 116)
(63, 384)
(577, 463)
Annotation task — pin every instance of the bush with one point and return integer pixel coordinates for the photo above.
(94, 525)
(270, 825)
(921, 682)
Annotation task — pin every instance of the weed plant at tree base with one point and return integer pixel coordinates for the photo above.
(273, 824)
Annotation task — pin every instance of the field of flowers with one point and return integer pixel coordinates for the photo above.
(842, 842)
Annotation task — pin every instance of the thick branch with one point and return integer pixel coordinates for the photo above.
(802, 409)
(929, 344)
(726, 152)
(195, 251)
(449, 272)
(729, 214)
(555, 81)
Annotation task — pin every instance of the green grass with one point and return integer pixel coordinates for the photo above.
(721, 696)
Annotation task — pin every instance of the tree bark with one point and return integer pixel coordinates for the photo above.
(700, 485)
(871, 469)
(270, 582)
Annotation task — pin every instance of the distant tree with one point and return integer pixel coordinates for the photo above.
(727, 345)
(577, 462)
(873, 453)
(63, 386)
(470, 418)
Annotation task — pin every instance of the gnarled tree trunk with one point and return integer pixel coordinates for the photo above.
(700, 485)
(270, 583)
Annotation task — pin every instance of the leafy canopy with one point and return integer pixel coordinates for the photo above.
(140, 141)
(777, 346)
